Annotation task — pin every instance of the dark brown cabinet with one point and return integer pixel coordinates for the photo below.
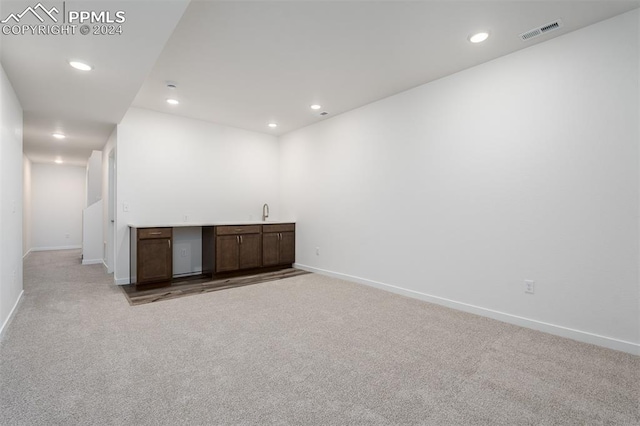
(227, 253)
(232, 248)
(151, 255)
(226, 249)
(250, 251)
(278, 244)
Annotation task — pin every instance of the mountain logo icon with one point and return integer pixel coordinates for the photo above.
(34, 11)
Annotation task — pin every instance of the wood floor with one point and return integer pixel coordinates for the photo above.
(202, 284)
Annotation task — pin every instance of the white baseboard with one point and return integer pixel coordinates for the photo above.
(558, 330)
(6, 323)
(92, 261)
(121, 281)
(56, 248)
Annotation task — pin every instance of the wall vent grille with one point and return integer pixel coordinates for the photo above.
(536, 32)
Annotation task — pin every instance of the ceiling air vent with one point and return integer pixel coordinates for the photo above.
(536, 32)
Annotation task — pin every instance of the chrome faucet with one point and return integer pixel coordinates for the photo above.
(265, 212)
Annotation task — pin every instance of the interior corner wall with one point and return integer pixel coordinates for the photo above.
(523, 168)
(176, 170)
(58, 196)
(10, 200)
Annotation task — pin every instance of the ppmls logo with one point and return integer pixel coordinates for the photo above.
(43, 20)
(34, 11)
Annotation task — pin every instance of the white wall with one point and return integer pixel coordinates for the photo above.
(525, 167)
(10, 200)
(92, 215)
(94, 178)
(58, 196)
(26, 205)
(187, 250)
(169, 167)
(92, 249)
(108, 228)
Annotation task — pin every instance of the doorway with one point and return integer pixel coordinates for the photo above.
(111, 215)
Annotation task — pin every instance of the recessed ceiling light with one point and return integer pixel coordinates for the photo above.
(58, 161)
(273, 125)
(80, 66)
(58, 135)
(316, 106)
(173, 101)
(479, 37)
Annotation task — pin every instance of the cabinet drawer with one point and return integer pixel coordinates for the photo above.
(147, 233)
(279, 227)
(238, 229)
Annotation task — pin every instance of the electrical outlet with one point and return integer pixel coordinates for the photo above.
(66, 236)
(125, 207)
(529, 286)
(317, 251)
(183, 252)
(185, 218)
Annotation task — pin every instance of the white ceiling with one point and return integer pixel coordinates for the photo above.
(245, 64)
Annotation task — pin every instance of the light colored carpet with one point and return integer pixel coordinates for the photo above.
(302, 351)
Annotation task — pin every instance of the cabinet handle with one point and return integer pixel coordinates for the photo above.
(155, 233)
(240, 239)
(169, 241)
(237, 239)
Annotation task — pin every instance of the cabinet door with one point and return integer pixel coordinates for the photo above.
(250, 251)
(227, 254)
(287, 248)
(155, 260)
(270, 249)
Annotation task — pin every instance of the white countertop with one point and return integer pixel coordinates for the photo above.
(198, 225)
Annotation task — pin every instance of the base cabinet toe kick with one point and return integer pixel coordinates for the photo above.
(227, 250)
